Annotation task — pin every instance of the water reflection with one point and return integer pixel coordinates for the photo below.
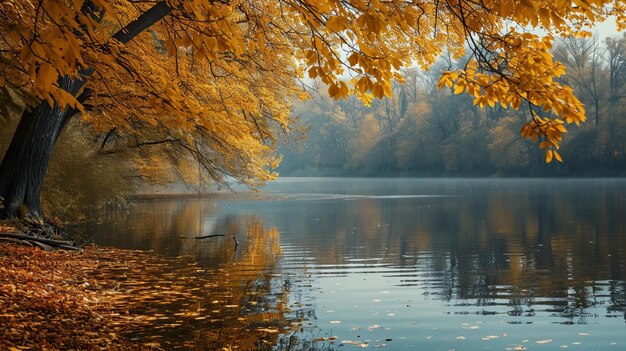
(514, 252)
(560, 250)
(223, 298)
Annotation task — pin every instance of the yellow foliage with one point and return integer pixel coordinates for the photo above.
(217, 75)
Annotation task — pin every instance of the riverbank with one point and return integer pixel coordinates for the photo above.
(51, 301)
(75, 300)
(112, 299)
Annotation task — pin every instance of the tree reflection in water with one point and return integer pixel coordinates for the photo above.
(523, 252)
(232, 298)
(533, 249)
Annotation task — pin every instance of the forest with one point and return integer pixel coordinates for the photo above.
(421, 131)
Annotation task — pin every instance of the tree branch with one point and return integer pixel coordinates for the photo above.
(143, 22)
(155, 142)
(53, 243)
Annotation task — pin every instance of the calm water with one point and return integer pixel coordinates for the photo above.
(406, 264)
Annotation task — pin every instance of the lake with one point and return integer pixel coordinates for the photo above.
(403, 264)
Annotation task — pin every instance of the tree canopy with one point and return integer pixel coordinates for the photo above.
(217, 77)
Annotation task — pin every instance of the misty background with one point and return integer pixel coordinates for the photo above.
(424, 132)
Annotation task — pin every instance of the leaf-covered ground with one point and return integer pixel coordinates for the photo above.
(48, 302)
(105, 298)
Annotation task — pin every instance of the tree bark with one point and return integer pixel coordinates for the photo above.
(25, 162)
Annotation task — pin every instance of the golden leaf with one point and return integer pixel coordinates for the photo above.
(549, 154)
(557, 156)
(337, 23)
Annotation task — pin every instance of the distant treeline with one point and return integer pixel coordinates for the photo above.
(425, 132)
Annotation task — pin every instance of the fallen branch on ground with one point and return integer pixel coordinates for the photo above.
(47, 243)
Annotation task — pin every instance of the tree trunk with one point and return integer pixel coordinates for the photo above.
(25, 162)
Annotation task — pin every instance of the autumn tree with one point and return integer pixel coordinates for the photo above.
(214, 77)
(328, 135)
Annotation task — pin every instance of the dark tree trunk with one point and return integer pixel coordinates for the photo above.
(25, 163)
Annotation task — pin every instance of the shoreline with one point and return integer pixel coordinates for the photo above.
(105, 298)
(50, 301)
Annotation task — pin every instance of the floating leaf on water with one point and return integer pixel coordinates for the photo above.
(267, 330)
(350, 342)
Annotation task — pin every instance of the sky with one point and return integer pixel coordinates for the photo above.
(606, 29)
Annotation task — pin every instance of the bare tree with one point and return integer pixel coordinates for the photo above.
(582, 57)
